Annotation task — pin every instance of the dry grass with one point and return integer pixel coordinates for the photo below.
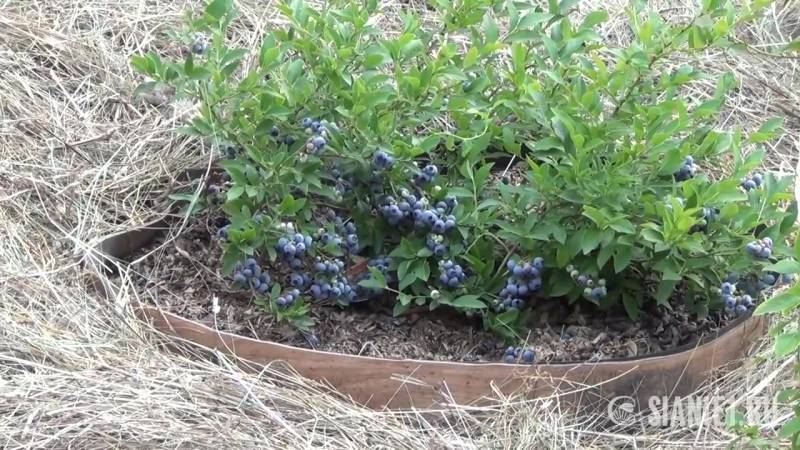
(78, 159)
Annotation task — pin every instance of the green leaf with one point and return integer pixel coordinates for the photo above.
(784, 266)
(622, 225)
(235, 192)
(471, 57)
(622, 257)
(400, 308)
(790, 428)
(780, 303)
(372, 283)
(590, 240)
(594, 18)
(787, 343)
(469, 301)
(631, 306)
(422, 271)
(532, 19)
(766, 131)
(218, 8)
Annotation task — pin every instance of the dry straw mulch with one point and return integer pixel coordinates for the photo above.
(79, 158)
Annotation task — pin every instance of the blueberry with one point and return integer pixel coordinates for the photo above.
(319, 142)
(727, 288)
(199, 48)
(749, 185)
(306, 122)
(439, 250)
(282, 242)
(289, 249)
(730, 302)
(538, 263)
(747, 300)
(528, 356)
(767, 242)
(534, 284)
(528, 271)
(517, 303)
(757, 179)
(512, 289)
(248, 273)
(430, 170)
(300, 248)
(741, 309)
(582, 279)
(510, 359)
(274, 132)
(518, 271)
(263, 288)
(769, 279)
(296, 280)
(239, 278)
(281, 301)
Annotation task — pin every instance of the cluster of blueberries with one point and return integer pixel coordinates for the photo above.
(710, 214)
(415, 211)
(760, 249)
(286, 300)
(335, 287)
(293, 247)
(250, 274)
(524, 281)
(344, 181)
(752, 182)
(426, 175)
(382, 161)
(514, 354)
(451, 275)
(735, 305)
(287, 139)
(770, 279)
(319, 133)
(687, 170)
(592, 290)
(346, 229)
(200, 44)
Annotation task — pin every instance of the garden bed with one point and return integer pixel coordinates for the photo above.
(182, 276)
(402, 383)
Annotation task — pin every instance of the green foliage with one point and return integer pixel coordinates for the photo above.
(601, 128)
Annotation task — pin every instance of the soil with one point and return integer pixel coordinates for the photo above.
(182, 275)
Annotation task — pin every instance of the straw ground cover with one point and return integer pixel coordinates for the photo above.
(79, 158)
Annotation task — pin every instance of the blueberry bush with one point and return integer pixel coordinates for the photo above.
(367, 165)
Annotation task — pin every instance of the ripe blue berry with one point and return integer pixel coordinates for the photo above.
(528, 356)
(727, 288)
